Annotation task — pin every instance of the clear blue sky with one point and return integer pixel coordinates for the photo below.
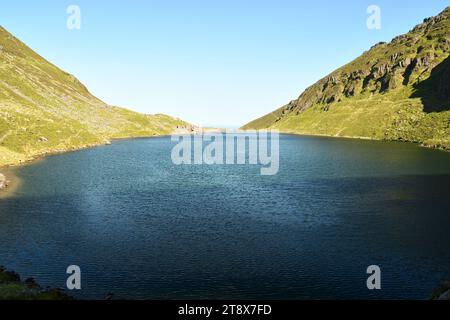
(216, 62)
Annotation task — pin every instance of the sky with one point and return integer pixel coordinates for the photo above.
(215, 63)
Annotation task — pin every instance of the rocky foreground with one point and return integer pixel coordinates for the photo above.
(13, 288)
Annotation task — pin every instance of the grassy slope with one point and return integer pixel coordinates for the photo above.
(395, 91)
(44, 109)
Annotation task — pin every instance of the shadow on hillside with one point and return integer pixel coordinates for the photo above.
(435, 91)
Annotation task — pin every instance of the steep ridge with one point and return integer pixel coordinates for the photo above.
(44, 109)
(394, 91)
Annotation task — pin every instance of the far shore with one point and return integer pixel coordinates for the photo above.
(14, 181)
(35, 157)
(4, 167)
(422, 145)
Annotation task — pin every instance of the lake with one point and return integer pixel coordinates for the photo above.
(143, 228)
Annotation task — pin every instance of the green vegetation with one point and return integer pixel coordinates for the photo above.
(12, 288)
(45, 110)
(394, 91)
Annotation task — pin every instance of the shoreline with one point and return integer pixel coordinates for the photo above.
(13, 184)
(13, 287)
(32, 158)
(417, 143)
(14, 181)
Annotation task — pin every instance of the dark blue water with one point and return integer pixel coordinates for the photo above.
(141, 227)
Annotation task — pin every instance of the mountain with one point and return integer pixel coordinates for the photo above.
(44, 109)
(394, 91)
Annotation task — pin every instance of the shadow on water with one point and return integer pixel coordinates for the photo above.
(435, 91)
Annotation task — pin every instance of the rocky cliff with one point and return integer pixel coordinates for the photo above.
(397, 91)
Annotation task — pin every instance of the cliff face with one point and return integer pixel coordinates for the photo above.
(44, 109)
(396, 90)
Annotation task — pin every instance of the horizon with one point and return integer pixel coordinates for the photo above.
(227, 75)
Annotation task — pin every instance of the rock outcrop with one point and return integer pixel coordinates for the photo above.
(394, 91)
(407, 60)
